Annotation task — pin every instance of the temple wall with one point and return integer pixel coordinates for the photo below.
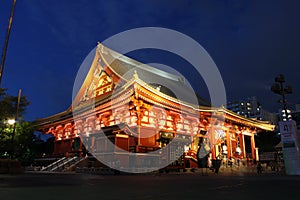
(148, 136)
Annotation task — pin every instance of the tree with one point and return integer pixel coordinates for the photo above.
(8, 105)
(23, 134)
(41, 147)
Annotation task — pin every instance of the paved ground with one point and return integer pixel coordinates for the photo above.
(152, 186)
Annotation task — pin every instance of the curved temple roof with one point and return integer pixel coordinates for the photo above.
(170, 83)
(127, 69)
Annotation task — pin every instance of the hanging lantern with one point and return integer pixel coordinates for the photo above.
(238, 150)
(224, 149)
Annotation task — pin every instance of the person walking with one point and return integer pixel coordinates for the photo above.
(259, 168)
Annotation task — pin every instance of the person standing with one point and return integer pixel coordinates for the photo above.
(259, 168)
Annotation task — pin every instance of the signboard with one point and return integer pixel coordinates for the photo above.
(290, 147)
(267, 156)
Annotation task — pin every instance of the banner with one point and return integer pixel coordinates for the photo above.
(290, 147)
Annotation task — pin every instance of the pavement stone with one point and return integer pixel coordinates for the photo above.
(223, 171)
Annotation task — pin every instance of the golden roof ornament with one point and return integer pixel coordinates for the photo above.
(135, 75)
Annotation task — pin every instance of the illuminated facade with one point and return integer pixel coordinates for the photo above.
(123, 98)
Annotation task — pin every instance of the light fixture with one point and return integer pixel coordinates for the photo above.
(11, 121)
(238, 150)
(224, 149)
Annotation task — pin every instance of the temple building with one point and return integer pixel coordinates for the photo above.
(128, 110)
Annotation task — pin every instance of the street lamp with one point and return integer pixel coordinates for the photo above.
(14, 123)
(11, 121)
(278, 88)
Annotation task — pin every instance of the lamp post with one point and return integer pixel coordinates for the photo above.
(280, 89)
(14, 122)
(288, 131)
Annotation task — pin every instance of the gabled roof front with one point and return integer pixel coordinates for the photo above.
(122, 69)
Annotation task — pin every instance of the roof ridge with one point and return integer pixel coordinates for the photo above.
(106, 50)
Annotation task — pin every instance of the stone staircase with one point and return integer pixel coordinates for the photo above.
(63, 164)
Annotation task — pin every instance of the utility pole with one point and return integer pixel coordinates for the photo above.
(6, 39)
(288, 130)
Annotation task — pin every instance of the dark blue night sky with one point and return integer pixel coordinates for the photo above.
(250, 41)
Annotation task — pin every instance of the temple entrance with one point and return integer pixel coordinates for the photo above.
(248, 148)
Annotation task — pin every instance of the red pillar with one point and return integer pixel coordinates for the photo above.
(228, 144)
(213, 150)
(253, 147)
(242, 145)
(80, 148)
(92, 144)
(55, 149)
